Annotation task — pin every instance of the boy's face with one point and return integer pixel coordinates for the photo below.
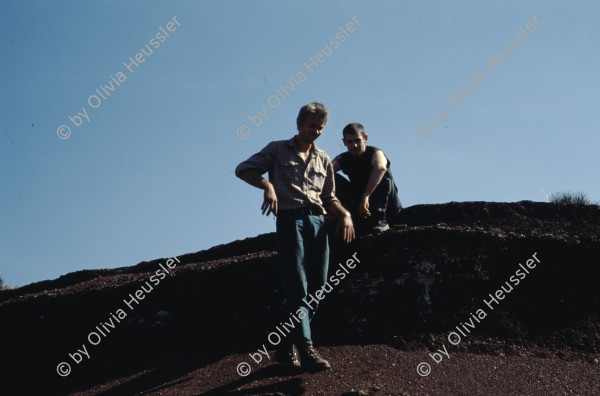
(356, 143)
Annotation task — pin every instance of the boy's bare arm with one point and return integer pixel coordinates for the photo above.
(379, 163)
(336, 165)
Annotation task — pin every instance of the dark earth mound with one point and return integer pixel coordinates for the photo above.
(437, 273)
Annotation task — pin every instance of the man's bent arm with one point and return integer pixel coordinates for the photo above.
(252, 177)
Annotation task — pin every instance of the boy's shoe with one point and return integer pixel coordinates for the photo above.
(311, 359)
(381, 226)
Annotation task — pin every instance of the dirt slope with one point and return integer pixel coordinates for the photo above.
(413, 287)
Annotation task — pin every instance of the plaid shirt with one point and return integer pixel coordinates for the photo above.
(297, 184)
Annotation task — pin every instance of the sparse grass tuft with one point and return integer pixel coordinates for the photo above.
(3, 286)
(569, 198)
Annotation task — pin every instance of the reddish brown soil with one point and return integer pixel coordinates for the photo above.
(373, 370)
(414, 284)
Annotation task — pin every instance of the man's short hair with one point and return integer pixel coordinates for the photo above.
(313, 108)
(352, 129)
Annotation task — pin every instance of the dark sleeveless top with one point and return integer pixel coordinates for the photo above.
(359, 168)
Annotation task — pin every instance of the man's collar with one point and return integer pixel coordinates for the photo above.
(292, 143)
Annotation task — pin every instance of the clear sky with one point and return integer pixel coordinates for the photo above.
(148, 168)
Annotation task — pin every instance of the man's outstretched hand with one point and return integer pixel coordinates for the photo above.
(270, 201)
(252, 177)
(344, 220)
(345, 224)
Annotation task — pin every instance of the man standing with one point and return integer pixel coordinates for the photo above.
(299, 192)
(371, 194)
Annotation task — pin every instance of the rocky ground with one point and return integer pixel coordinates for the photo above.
(370, 370)
(415, 284)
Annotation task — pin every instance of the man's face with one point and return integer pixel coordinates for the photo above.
(356, 143)
(310, 129)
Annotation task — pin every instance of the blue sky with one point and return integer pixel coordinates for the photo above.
(151, 174)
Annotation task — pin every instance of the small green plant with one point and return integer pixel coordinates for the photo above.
(566, 198)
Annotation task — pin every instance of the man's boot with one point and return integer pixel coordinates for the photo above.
(287, 355)
(311, 359)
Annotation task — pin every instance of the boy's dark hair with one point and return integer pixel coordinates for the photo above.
(352, 128)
